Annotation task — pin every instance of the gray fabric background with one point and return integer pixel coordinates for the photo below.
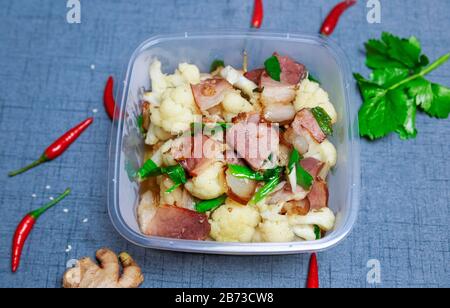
(47, 85)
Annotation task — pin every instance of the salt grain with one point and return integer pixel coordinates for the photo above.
(51, 198)
(48, 187)
(92, 67)
(85, 220)
(66, 210)
(95, 110)
(69, 248)
(33, 196)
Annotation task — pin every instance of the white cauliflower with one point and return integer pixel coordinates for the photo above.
(274, 227)
(233, 104)
(158, 79)
(238, 80)
(325, 152)
(177, 110)
(159, 157)
(305, 232)
(233, 222)
(310, 95)
(324, 218)
(156, 134)
(209, 184)
(173, 198)
(190, 73)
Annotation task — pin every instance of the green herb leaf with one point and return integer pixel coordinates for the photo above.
(273, 68)
(208, 129)
(304, 179)
(243, 172)
(216, 64)
(264, 191)
(394, 52)
(209, 205)
(317, 232)
(149, 169)
(397, 87)
(323, 119)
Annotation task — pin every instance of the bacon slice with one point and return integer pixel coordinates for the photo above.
(179, 223)
(285, 195)
(255, 75)
(318, 196)
(276, 92)
(197, 153)
(305, 120)
(210, 92)
(291, 72)
(254, 142)
(312, 165)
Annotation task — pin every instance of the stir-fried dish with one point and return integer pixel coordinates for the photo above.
(235, 155)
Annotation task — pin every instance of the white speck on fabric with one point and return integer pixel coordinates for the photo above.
(48, 187)
(33, 196)
(95, 110)
(51, 198)
(92, 66)
(85, 220)
(66, 210)
(68, 249)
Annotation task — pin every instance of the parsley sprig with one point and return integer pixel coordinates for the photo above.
(397, 87)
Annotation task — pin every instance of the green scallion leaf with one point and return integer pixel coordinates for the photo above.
(264, 191)
(209, 205)
(317, 232)
(304, 179)
(243, 172)
(323, 119)
(149, 169)
(176, 174)
(273, 68)
(140, 123)
(216, 64)
(312, 78)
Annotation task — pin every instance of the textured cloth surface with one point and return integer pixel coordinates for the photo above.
(52, 75)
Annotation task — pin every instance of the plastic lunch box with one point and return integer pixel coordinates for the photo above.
(322, 57)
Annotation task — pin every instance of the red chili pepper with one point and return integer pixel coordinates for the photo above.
(26, 226)
(332, 19)
(313, 275)
(258, 14)
(108, 99)
(58, 147)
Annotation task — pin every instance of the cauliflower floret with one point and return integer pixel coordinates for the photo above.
(158, 79)
(233, 222)
(305, 232)
(176, 112)
(173, 198)
(209, 184)
(310, 95)
(156, 134)
(237, 79)
(190, 73)
(233, 104)
(274, 227)
(324, 218)
(325, 152)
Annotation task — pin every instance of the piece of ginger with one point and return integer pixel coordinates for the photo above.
(88, 274)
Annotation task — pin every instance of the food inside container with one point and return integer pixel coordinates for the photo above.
(236, 154)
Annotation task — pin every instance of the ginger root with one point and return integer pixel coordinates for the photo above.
(87, 274)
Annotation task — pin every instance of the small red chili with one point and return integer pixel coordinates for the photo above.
(313, 275)
(108, 99)
(25, 227)
(258, 14)
(332, 19)
(58, 147)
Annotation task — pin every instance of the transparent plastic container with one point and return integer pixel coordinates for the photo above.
(322, 57)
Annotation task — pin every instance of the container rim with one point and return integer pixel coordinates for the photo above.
(211, 247)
